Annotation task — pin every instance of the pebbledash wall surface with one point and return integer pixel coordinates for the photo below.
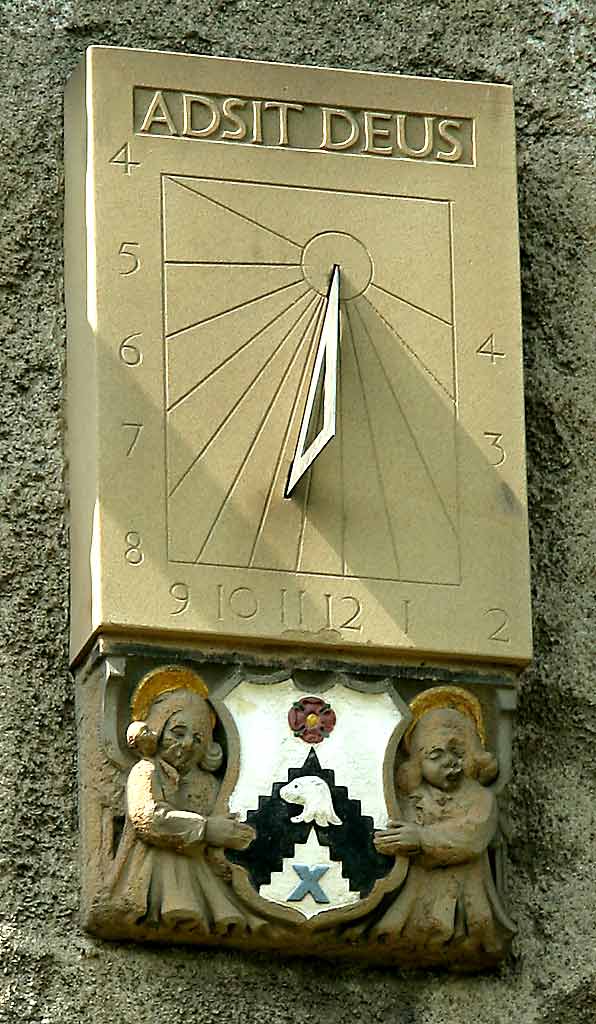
(50, 971)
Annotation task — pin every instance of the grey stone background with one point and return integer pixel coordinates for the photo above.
(50, 972)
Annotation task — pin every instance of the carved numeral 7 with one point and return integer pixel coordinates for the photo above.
(136, 430)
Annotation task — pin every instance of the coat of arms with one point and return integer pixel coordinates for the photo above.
(263, 810)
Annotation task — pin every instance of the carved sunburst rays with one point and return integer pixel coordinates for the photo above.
(242, 320)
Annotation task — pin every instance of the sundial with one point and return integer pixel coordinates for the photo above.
(295, 366)
(299, 587)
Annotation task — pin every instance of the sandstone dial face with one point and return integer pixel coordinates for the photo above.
(306, 382)
(243, 316)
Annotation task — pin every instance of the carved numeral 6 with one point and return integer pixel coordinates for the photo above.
(129, 353)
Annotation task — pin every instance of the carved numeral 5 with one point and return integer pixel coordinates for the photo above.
(126, 250)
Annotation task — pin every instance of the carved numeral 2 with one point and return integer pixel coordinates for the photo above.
(499, 633)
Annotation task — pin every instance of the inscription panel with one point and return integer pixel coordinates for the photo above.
(203, 228)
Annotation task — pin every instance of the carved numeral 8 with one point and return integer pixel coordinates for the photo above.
(133, 553)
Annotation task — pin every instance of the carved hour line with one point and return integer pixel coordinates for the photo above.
(239, 401)
(327, 351)
(302, 535)
(409, 348)
(166, 359)
(232, 309)
(282, 448)
(341, 456)
(225, 263)
(244, 216)
(454, 376)
(374, 446)
(420, 309)
(405, 420)
(260, 428)
(237, 351)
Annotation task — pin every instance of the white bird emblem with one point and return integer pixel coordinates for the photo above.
(314, 796)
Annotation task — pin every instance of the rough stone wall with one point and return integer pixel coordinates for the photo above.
(50, 972)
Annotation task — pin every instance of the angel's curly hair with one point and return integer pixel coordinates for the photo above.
(479, 763)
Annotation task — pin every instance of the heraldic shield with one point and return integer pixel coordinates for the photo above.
(312, 773)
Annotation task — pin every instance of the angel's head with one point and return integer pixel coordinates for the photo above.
(444, 748)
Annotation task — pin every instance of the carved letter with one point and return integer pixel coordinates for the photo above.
(371, 131)
(331, 112)
(456, 144)
(152, 117)
(402, 145)
(257, 125)
(283, 117)
(189, 99)
(239, 132)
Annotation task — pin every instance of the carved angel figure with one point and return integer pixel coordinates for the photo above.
(448, 908)
(167, 870)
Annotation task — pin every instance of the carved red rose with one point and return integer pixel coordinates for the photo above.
(312, 719)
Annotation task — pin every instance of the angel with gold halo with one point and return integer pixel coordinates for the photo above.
(448, 908)
(168, 868)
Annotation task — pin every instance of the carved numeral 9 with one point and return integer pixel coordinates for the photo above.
(181, 595)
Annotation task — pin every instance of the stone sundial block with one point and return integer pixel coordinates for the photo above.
(294, 368)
